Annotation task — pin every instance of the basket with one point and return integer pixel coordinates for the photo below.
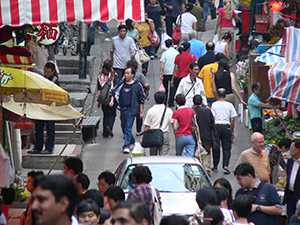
(261, 23)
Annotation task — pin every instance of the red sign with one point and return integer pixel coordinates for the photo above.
(47, 34)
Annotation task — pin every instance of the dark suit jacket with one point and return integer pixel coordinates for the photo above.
(206, 59)
(289, 167)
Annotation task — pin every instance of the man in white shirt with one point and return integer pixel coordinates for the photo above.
(224, 114)
(167, 67)
(153, 120)
(191, 85)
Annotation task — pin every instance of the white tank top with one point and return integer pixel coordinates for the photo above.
(220, 47)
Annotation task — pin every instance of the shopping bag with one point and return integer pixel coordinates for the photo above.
(144, 57)
(164, 37)
(199, 152)
(215, 39)
(176, 35)
(138, 150)
(137, 59)
(161, 87)
(213, 12)
(154, 38)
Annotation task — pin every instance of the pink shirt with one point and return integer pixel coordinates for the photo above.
(224, 21)
(183, 115)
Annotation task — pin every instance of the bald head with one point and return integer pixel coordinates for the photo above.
(258, 142)
(210, 46)
(221, 92)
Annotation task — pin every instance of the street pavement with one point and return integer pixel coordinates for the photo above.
(106, 153)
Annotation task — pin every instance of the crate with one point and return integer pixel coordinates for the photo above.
(244, 46)
(261, 23)
(246, 12)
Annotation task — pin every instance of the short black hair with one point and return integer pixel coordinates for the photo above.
(34, 174)
(197, 100)
(75, 164)
(221, 92)
(244, 169)
(168, 43)
(142, 174)
(108, 176)
(116, 193)
(84, 180)
(137, 209)
(184, 47)
(192, 1)
(122, 26)
(104, 215)
(87, 206)
(220, 56)
(95, 195)
(267, 37)
(133, 63)
(221, 194)
(206, 196)
(242, 204)
(159, 97)
(180, 99)
(256, 85)
(8, 195)
(210, 46)
(189, 7)
(286, 142)
(132, 69)
(174, 219)
(297, 143)
(193, 64)
(60, 186)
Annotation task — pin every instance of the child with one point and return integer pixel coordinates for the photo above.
(222, 197)
(241, 207)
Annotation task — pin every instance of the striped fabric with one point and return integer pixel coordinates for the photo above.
(272, 55)
(19, 12)
(291, 39)
(284, 79)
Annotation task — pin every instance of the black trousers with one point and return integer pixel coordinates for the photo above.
(173, 91)
(109, 116)
(39, 135)
(166, 81)
(169, 24)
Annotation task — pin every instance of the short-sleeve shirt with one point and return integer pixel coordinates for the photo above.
(122, 49)
(169, 58)
(187, 21)
(183, 61)
(267, 196)
(197, 48)
(176, 7)
(133, 33)
(225, 22)
(155, 13)
(207, 75)
(125, 95)
(144, 30)
(154, 116)
(255, 110)
(223, 111)
(183, 115)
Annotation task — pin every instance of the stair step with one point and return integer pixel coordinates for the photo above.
(64, 127)
(75, 88)
(76, 141)
(77, 99)
(73, 79)
(64, 134)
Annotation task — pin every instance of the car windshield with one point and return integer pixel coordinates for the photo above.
(170, 177)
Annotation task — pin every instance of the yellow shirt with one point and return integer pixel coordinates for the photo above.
(144, 30)
(207, 76)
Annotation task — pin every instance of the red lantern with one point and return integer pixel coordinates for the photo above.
(24, 124)
(275, 6)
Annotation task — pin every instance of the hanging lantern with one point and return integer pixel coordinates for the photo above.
(275, 6)
(24, 124)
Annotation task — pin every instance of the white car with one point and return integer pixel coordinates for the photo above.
(177, 179)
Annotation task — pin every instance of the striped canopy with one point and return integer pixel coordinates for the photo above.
(35, 12)
(284, 79)
(291, 39)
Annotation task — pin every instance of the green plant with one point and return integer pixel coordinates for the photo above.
(21, 193)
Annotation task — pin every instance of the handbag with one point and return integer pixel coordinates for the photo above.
(176, 36)
(154, 137)
(157, 212)
(213, 12)
(144, 57)
(104, 96)
(154, 38)
(194, 127)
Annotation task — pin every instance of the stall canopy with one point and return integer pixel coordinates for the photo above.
(35, 12)
(291, 44)
(284, 81)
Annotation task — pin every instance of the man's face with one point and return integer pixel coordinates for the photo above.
(244, 181)
(29, 184)
(122, 33)
(294, 152)
(258, 91)
(258, 143)
(195, 71)
(48, 72)
(68, 172)
(121, 216)
(111, 202)
(103, 186)
(44, 207)
(128, 75)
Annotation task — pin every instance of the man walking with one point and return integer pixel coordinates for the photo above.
(224, 114)
(153, 119)
(266, 203)
(257, 157)
(209, 57)
(191, 85)
(197, 46)
(122, 50)
(130, 96)
(167, 67)
(198, 12)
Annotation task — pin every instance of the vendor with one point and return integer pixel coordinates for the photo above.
(262, 47)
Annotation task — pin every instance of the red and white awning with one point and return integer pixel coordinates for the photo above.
(20, 12)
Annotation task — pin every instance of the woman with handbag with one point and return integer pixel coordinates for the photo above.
(106, 80)
(144, 29)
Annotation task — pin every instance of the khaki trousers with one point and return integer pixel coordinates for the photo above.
(163, 150)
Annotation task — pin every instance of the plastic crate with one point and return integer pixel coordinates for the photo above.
(261, 23)
(246, 12)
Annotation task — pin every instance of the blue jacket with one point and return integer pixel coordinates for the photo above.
(138, 95)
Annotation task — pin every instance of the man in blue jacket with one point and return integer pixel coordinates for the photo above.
(130, 96)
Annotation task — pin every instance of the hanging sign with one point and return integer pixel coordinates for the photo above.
(47, 34)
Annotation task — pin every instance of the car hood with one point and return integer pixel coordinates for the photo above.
(183, 203)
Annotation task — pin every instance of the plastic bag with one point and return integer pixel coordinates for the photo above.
(164, 37)
(161, 87)
(215, 39)
(200, 152)
(138, 150)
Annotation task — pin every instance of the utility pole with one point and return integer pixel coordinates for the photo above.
(83, 36)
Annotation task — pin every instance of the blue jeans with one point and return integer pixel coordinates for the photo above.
(210, 101)
(39, 135)
(127, 122)
(103, 26)
(153, 50)
(206, 8)
(186, 141)
(145, 65)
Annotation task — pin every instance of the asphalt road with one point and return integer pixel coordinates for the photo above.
(106, 153)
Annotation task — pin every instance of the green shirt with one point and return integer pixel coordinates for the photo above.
(198, 12)
(133, 33)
